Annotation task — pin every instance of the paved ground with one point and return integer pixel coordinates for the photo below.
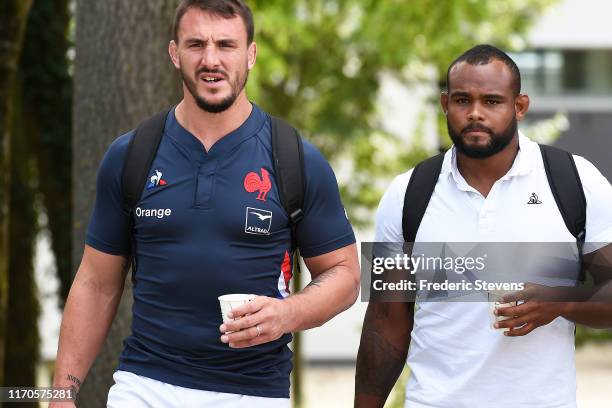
(332, 387)
(594, 372)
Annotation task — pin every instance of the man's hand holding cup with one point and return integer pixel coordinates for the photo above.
(260, 320)
(535, 306)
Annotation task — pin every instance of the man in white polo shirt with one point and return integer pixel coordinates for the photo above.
(492, 187)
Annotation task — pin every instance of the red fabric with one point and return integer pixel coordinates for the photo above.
(286, 269)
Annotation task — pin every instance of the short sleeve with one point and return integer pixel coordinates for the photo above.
(598, 193)
(389, 213)
(108, 229)
(325, 226)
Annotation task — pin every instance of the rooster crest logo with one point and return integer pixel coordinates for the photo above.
(156, 180)
(253, 183)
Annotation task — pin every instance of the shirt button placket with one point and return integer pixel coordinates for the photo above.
(205, 184)
(484, 219)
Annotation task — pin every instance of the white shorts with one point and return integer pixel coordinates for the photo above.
(135, 391)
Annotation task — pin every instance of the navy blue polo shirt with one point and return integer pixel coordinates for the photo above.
(208, 224)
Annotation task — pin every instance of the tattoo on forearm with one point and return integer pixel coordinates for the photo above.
(379, 363)
(323, 277)
(76, 383)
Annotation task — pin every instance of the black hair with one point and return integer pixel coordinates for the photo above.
(223, 8)
(482, 54)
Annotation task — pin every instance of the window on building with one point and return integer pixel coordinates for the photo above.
(554, 72)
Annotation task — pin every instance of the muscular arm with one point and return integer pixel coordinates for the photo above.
(597, 315)
(89, 312)
(385, 338)
(542, 305)
(334, 288)
(596, 309)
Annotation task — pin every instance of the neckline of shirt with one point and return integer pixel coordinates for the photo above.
(247, 129)
(524, 163)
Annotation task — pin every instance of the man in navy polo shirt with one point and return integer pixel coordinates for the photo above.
(209, 222)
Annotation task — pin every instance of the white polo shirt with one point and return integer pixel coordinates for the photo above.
(456, 359)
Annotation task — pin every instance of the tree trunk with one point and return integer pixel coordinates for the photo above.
(22, 340)
(47, 95)
(13, 14)
(122, 75)
(40, 146)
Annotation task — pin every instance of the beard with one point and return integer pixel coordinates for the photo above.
(236, 87)
(498, 141)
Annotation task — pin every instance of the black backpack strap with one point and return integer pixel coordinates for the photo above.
(136, 165)
(566, 187)
(288, 159)
(418, 193)
(140, 155)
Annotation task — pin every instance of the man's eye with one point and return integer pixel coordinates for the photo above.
(462, 100)
(492, 102)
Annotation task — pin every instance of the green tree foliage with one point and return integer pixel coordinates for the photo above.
(321, 64)
(586, 335)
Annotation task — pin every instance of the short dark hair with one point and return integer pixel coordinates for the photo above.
(482, 54)
(223, 8)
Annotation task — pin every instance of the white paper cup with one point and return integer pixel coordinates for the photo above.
(494, 299)
(232, 301)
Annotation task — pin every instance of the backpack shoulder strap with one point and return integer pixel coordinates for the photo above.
(288, 160)
(139, 158)
(418, 193)
(566, 187)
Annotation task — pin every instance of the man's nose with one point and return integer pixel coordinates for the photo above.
(210, 57)
(475, 113)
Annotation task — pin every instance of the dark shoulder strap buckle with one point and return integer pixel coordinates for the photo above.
(296, 216)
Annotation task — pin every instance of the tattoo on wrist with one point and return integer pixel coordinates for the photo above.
(76, 383)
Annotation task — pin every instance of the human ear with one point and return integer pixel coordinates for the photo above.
(173, 52)
(521, 106)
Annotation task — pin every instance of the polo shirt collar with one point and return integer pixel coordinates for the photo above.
(526, 159)
(524, 163)
(247, 129)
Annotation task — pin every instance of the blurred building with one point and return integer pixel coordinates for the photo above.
(568, 68)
